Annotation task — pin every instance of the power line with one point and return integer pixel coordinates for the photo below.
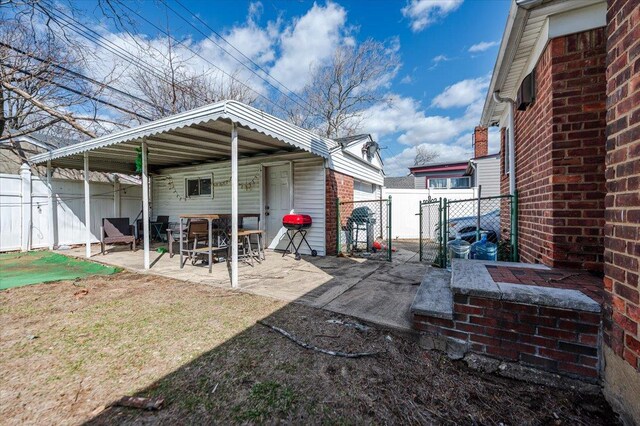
(77, 74)
(240, 52)
(77, 92)
(94, 37)
(203, 58)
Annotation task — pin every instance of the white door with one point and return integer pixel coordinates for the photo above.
(277, 204)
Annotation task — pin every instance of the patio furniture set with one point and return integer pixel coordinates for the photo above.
(200, 236)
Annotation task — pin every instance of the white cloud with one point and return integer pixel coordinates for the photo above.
(423, 13)
(462, 93)
(482, 46)
(310, 40)
(407, 79)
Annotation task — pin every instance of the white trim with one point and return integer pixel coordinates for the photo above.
(50, 205)
(575, 21)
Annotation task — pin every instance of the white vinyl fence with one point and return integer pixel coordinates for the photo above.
(405, 207)
(25, 214)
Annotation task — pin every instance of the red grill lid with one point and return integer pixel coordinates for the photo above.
(296, 219)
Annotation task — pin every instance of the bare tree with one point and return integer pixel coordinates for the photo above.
(424, 156)
(175, 86)
(354, 79)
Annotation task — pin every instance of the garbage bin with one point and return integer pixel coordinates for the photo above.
(457, 249)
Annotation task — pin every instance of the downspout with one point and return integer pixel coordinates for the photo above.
(512, 144)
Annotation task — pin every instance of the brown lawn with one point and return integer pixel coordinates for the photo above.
(71, 348)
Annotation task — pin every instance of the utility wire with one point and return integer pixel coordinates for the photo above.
(77, 92)
(94, 37)
(240, 52)
(77, 74)
(204, 58)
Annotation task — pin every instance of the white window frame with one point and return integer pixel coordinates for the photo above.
(448, 182)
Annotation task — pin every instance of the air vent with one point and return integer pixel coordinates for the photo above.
(526, 92)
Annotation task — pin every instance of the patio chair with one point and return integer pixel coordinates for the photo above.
(197, 237)
(116, 230)
(164, 227)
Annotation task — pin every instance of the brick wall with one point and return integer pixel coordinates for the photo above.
(560, 149)
(340, 186)
(557, 340)
(622, 230)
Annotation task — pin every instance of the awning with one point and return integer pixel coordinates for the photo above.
(193, 137)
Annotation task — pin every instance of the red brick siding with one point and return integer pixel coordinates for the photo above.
(622, 229)
(340, 186)
(557, 340)
(480, 141)
(560, 148)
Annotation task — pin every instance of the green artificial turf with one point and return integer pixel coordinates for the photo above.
(20, 269)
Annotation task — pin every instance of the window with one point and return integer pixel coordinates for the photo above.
(438, 183)
(461, 182)
(199, 186)
(450, 183)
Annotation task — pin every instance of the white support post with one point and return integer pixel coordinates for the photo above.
(145, 204)
(234, 206)
(25, 199)
(50, 203)
(116, 196)
(87, 206)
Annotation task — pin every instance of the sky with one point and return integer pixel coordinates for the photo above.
(447, 50)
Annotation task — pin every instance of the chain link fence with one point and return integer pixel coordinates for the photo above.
(430, 236)
(444, 220)
(364, 228)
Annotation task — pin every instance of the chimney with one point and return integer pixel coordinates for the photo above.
(480, 141)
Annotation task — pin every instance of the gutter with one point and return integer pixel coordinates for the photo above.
(512, 144)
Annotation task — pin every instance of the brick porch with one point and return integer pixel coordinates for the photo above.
(529, 314)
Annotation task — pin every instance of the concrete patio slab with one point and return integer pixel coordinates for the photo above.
(372, 290)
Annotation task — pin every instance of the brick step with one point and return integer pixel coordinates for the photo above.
(557, 330)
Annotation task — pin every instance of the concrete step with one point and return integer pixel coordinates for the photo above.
(434, 297)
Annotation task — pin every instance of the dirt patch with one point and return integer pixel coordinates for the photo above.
(67, 355)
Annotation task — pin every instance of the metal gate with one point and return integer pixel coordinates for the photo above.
(431, 238)
(442, 220)
(364, 228)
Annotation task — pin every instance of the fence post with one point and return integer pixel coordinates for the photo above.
(338, 227)
(389, 229)
(445, 233)
(420, 227)
(478, 218)
(514, 226)
(25, 198)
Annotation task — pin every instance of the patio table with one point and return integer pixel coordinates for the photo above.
(209, 250)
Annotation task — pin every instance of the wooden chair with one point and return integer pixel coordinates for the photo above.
(116, 230)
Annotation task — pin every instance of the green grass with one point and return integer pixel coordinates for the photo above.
(20, 269)
(267, 399)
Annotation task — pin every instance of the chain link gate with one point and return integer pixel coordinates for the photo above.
(442, 220)
(364, 228)
(431, 239)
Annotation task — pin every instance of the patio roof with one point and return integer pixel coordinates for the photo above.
(193, 137)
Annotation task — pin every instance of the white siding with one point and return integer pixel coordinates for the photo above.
(308, 194)
(309, 198)
(360, 170)
(488, 175)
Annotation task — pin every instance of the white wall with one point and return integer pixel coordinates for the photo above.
(308, 194)
(405, 222)
(68, 210)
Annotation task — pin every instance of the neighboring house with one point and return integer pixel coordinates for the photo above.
(483, 169)
(565, 93)
(400, 182)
